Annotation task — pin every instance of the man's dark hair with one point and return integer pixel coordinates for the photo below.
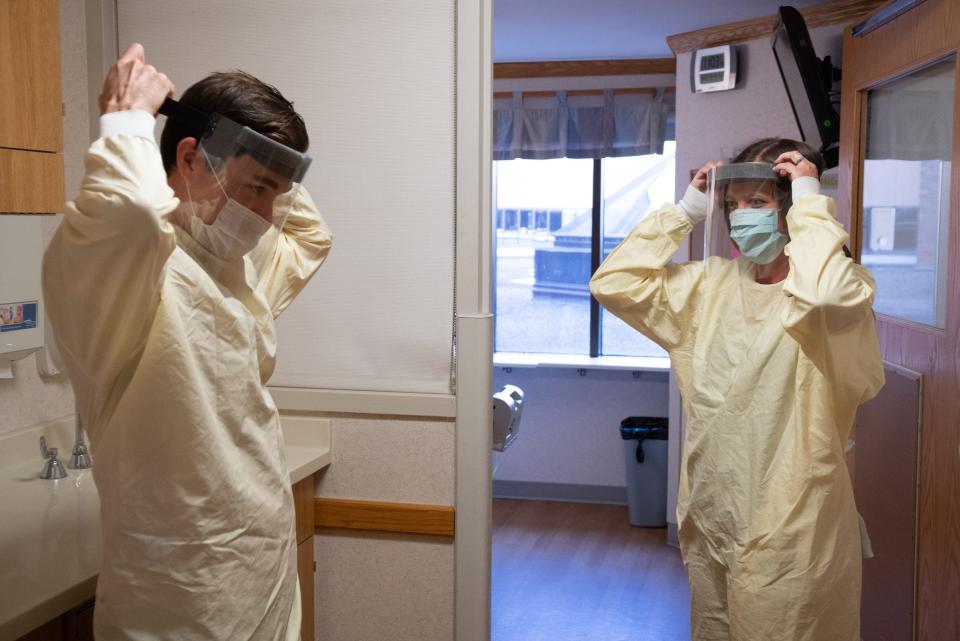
(245, 100)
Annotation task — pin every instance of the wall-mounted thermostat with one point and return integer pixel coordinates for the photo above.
(714, 69)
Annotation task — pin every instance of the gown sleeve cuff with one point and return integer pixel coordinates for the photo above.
(694, 205)
(804, 186)
(134, 122)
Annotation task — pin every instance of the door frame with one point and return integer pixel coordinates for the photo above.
(474, 337)
(926, 33)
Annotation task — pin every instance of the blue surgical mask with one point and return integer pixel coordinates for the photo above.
(757, 234)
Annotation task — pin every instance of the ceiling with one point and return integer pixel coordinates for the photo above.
(537, 30)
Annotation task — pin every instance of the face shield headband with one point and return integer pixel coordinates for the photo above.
(222, 138)
(251, 169)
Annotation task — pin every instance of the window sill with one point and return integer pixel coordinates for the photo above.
(572, 361)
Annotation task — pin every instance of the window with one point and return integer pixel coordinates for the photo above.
(545, 248)
(906, 192)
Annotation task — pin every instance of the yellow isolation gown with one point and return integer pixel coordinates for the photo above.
(169, 349)
(771, 377)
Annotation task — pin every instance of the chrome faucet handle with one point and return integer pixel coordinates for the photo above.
(80, 459)
(53, 469)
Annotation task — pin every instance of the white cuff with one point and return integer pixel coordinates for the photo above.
(694, 205)
(804, 186)
(134, 122)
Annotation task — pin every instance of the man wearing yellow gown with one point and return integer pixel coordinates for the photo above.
(162, 288)
(772, 352)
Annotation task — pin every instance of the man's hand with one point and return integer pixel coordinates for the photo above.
(133, 84)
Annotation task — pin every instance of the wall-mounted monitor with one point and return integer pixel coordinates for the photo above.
(808, 81)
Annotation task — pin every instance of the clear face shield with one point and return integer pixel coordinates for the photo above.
(745, 215)
(249, 169)
(243, 182)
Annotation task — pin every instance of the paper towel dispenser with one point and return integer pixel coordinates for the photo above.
(21, 300)
(507, 408)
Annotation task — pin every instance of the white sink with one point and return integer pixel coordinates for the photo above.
(50, 539)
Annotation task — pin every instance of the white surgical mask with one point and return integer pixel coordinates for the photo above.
(757, 234)
(235, 231)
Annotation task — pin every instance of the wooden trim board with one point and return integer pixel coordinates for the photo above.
(573, 68)
(379, 516)
(585, 92)
(816, 16)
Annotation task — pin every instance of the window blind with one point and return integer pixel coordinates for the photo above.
(375, 83)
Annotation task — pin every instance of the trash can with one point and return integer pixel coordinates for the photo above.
(645, 455)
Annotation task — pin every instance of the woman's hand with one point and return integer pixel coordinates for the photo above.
(794, 165)
(699, 181)
(694, 202)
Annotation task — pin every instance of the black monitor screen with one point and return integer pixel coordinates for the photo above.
(800, 69)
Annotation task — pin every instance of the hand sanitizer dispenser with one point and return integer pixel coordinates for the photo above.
(507, 409)
(21, 299)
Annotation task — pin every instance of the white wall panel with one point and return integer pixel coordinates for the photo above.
(570, 429)
(375, 83)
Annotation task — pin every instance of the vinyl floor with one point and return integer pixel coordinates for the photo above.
(581, 572)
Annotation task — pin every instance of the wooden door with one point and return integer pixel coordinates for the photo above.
(920, 43)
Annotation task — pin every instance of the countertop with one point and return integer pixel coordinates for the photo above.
(50, 539)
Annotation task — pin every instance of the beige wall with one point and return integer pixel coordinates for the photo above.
(712, 125)
(386, 586)
(373, 586)
(29, 399)
(569, 433)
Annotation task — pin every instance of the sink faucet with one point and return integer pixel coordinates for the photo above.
(80, 459)
(53, 469)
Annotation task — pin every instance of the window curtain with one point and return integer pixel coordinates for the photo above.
(581, 126)
(911, 125)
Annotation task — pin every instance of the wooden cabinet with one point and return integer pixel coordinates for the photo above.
(74, 625)
(303, 504)
(50, 631)
(31, 181)
(31, 117)
(305, 570)
(78, 623)
(30, 112)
